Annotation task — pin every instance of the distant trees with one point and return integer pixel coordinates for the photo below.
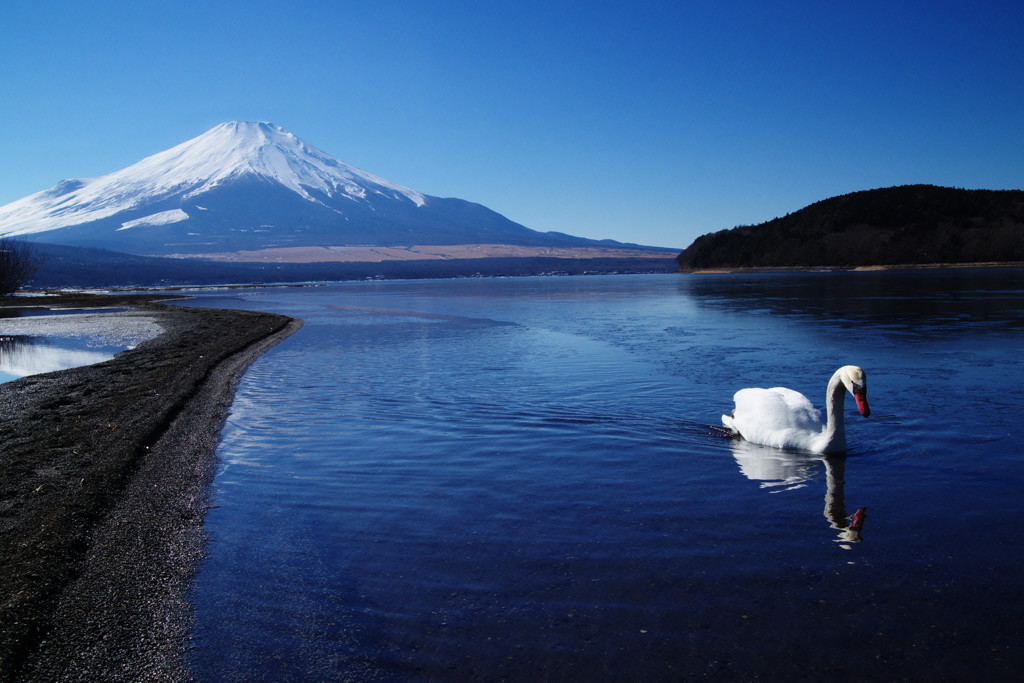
(910, 224)
(18, 262)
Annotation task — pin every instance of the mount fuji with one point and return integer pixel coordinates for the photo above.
(245, 186)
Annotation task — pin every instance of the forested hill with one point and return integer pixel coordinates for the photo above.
(910, 224)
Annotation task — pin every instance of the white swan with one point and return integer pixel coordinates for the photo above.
(784, 418)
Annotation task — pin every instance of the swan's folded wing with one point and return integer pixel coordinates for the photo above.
(768, 408)
(777, 417)
(800, 412)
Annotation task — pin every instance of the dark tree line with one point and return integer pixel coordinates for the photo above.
(18, 262)
(911, 224)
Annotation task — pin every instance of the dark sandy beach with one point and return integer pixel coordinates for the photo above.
(104, 472)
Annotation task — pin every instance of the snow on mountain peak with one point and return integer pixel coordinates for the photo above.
(231, 150)
(238, 148)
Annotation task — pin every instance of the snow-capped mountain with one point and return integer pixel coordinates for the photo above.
(249, 186)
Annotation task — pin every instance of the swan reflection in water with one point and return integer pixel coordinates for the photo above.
(785, 470)
(21, 356)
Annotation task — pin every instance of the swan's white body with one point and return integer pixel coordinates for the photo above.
(784, 418)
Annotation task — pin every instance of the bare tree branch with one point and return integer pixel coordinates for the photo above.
(18, 262)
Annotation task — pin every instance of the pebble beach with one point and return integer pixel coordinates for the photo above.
(104, 471)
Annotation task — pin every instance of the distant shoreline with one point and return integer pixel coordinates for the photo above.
(828, 269)
(450, 252)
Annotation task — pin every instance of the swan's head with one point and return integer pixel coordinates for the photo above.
(856, 382)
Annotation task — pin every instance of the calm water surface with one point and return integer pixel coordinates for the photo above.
(517, 480)
(35, 340)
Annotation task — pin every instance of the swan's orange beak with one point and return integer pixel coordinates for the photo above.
(862, 403)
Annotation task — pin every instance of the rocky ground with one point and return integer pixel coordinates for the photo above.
(104, 472)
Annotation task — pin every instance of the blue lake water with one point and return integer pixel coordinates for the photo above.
(517, 479)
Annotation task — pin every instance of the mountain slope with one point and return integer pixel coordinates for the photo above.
(251, 186)
(910, 224)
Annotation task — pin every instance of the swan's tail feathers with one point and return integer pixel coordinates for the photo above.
(727, 421)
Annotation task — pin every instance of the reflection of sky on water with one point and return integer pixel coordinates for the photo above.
(37, 340)
(21, 356)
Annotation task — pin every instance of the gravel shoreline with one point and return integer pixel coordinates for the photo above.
(104, 476)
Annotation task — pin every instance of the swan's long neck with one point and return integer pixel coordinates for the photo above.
(835, 425)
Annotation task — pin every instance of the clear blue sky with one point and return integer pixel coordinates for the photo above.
(651, 122)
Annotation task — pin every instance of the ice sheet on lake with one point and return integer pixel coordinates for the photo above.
(127, 329)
